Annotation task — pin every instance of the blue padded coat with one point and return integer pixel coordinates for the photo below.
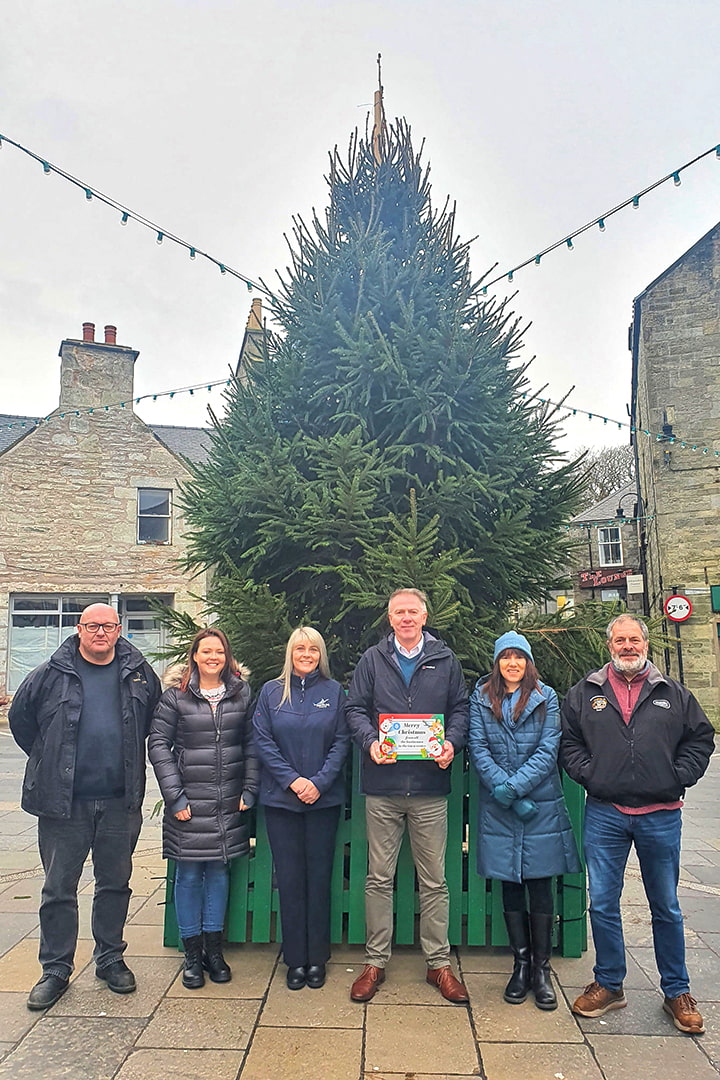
(525, 753)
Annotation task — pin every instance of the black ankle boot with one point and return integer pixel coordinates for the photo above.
(541, 930)
(212, 958)
(192, 977)
(518, 929)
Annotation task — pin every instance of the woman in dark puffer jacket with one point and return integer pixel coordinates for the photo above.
(200, 747)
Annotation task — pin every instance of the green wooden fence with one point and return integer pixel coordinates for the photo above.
(476, 916)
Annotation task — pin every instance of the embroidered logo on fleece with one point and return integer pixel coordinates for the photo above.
(323, 703)
(662, 703)
(597, 704)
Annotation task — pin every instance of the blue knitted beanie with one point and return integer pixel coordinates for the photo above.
(513, 640)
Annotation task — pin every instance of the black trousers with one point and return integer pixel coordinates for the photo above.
(110, 831)
(539, 894)
(303, 846)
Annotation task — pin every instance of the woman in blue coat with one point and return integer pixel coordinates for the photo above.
(302, 741)
(524, 831)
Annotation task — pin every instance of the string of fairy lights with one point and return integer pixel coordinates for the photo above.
(162, 234)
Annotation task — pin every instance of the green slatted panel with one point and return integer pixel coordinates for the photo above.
(237, 917)
(476, 893)
(476, 916)
(572, 893)
(455, 859)
(261, 902)
(358, 858)
(171, 934)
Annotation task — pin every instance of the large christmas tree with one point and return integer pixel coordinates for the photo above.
(386, 437)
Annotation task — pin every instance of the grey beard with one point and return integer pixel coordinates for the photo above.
(629, 667)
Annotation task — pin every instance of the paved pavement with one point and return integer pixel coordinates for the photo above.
(254, 1028)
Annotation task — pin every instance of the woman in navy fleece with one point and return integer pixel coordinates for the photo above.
(302, 741)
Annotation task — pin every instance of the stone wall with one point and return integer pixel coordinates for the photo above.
(678, 382)
(68, 493)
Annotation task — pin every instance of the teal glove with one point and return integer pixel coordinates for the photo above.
(525, 809)
(505, 794)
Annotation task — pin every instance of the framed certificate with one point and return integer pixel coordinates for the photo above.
(408, 736)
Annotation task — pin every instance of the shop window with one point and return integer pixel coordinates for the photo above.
(38, 625)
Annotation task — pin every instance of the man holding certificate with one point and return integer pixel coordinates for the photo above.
(408, 712)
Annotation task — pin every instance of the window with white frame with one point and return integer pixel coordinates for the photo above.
(154, 516)
(610, 546)
(38, 625)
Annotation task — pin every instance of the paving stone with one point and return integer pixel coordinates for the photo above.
(181, 1065)
(383, 1074)
(709, 874)
(22, 896)
(13, 928)
(15, 822)
(643, 1015)
(5, 1049)
(20, 970)
(622, 1057)
(150, 910)
(277, 1054)
(147, 940)
(202, 1025)
(330, 1006)
(703, 966)
(496, 1021)
(90, 996)
(351, 954)
(418, 1038)
(701, 913)
(538, 1061)
(710, 1041)
(15, 1017)
(252, 967)
(405, 983)
(17, 861)
(57, 1049)
(484, 959)
(711, 941)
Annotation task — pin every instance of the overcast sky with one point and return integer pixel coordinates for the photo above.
(214, 118)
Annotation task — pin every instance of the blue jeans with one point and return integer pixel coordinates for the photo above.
(201, 896)
(608, 836)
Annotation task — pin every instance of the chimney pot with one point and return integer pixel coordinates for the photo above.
(88, 331)
(111, 335)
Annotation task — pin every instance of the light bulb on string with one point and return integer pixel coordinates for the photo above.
(601, 224)
(636, 202)
(88, 194)
(569, 243)
(159, 239)
(537, 260)
(46, 168)
(676, 179)
(192, 252)
(124, 219)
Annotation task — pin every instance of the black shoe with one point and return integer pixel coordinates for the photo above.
(118, 976)
(192, 976)
(296, 978)
(315, 976)
(46, 991)
(212, 958)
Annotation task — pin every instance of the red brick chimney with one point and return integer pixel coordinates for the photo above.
(88, 331)
(111, 335)
(96, 373)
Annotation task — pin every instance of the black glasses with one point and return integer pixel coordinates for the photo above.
(96, 627)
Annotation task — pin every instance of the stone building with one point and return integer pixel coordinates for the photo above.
(675, 342)
(606, 565)
(89, 510)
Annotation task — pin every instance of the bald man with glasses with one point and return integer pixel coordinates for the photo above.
(82, 718)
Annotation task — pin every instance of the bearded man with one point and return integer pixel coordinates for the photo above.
(635, 739)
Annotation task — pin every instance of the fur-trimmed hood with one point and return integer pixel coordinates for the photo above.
(173, 676)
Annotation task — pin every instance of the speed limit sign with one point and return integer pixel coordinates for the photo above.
(678, 608)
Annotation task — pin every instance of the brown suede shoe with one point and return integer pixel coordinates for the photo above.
(684, 1014)
(450, 987)
(596, 1000)
(365, 986)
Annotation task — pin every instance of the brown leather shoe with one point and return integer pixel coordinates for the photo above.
(450, 987)
(684, 1014)
(596, 1000)
(365, 986)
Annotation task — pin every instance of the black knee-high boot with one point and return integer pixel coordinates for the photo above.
(541, 930)
(518, 929)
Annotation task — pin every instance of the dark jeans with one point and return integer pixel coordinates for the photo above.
(110, 831)
(201, 896)
(303, 846)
